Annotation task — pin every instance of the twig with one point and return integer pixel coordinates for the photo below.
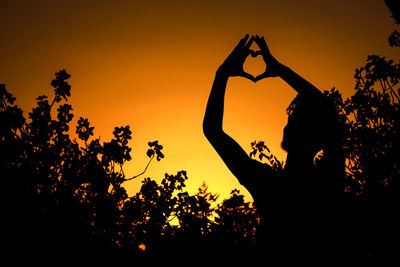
(145, 169)
(392, 90)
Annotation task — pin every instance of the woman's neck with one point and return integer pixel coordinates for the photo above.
(298, 163)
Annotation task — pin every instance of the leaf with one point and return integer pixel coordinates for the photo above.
(150, 153)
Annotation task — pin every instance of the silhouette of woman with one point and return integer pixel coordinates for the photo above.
(299, 208)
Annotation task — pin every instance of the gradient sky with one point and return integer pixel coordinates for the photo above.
(150, 64)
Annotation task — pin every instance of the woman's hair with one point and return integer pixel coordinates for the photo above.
(312, 121)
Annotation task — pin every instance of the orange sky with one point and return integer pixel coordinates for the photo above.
(150, 64)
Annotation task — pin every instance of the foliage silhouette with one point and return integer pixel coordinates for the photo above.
(65, 196)
(394, 9)
(371, 147)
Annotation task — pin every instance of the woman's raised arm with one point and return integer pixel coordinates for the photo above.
(235, 158)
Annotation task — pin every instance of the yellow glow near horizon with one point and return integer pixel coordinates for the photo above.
(151, 66)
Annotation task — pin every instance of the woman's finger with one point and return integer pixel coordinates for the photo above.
(261, 76)
(243, 41)
(249, 43)
(248, 76)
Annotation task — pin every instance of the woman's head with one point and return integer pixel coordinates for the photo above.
(312, 124)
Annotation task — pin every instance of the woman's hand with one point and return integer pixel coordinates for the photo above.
(233, 64)
(272, 68)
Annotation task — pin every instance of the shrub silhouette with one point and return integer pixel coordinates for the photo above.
(65, 195)
(372, 126)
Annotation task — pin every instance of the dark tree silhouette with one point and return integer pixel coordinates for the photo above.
(64, 196)
(237, 222)
(394, 7)
(372, 128)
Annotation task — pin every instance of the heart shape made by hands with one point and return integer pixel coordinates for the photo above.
(254, 65)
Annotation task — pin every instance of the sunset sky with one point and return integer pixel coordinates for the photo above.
(150, 64)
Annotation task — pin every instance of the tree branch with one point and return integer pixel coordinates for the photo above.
(145, 169)
(392, 90)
